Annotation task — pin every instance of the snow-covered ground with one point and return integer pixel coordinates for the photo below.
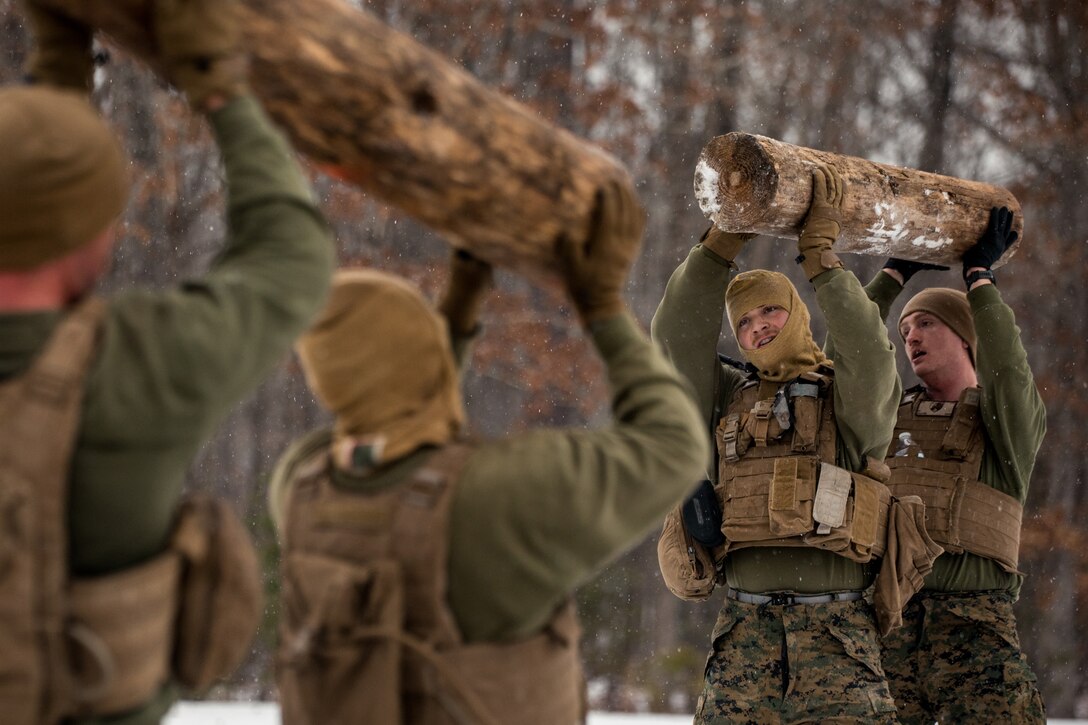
(267, 713)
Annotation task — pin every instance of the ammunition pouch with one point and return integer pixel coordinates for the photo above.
(221, 594)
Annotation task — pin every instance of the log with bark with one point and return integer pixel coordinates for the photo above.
(749, 183)
(374, 107)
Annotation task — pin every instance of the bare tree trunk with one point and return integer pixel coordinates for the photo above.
(748, 183)
(939, 85)
(374, 107)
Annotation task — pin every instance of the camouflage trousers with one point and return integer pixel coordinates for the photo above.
(957, 659)
(792, 664)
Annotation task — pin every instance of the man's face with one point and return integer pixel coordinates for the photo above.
(759, 326)
(931, 345)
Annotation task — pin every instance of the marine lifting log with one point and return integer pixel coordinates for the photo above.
(376, 108)
(749, 183)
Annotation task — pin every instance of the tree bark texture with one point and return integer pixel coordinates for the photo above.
(749, 183)
(373, 107)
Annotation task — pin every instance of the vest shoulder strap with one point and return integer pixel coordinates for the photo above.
(425, 503)
(38, 425)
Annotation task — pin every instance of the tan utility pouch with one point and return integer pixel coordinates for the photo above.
(120, 632)
(832, 494)
(790, 498)
(221, 598)
(342, 625)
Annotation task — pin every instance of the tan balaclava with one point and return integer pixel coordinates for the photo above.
(63, 175)
(379, 358)
(950, 307)
(793, 351)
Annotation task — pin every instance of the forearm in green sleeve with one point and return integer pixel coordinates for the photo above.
(688, 323)
(549, 508)
(867, 386)
(276, 236)
(882, 289)
(1012, 409)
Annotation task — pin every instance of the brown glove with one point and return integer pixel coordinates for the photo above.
(822, 224)
(595, 271)
(199, 44)
(726, 245)
(470, 279)
(62, 53)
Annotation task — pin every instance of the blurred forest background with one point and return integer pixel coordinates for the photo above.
(994, 90)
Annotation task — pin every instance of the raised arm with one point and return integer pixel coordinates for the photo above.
(1012, 409)
(867, 386)
(539, 513)
(688, 324)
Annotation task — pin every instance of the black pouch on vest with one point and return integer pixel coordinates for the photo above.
(702, 516)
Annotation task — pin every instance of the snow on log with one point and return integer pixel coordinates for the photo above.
(749, 183)
(374, 107)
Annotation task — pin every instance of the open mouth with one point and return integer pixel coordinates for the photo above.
(765, 341)
(917, 355)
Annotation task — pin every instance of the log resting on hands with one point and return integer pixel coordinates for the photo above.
(372, 106)
(749, 183)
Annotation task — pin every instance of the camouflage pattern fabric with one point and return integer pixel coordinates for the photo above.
(793, 664)
(957, 659)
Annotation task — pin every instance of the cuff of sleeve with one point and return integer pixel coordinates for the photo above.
(716, 258)
(983, 296)
(237, 110)
(825, 278)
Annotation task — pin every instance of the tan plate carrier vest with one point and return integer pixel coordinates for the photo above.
(936, 454)
(778, 484)
(366, 634)
(104, 645)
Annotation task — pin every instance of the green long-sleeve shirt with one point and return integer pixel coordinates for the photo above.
(1013, 419)
(535, 515)
(688, 324)
(171, 364)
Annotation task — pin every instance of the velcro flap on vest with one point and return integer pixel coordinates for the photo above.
(868, 511)
(789, 500)
(832, 493)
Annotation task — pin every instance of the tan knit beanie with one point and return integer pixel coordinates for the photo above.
(950, 307)
(793, 351)
(63, 175)
(379, 358)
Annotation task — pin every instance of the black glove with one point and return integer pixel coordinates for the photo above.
(908, 267)
(997, 238)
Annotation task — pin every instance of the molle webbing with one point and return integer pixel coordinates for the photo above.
(941, 465)
(777, 472)
(39, 418)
